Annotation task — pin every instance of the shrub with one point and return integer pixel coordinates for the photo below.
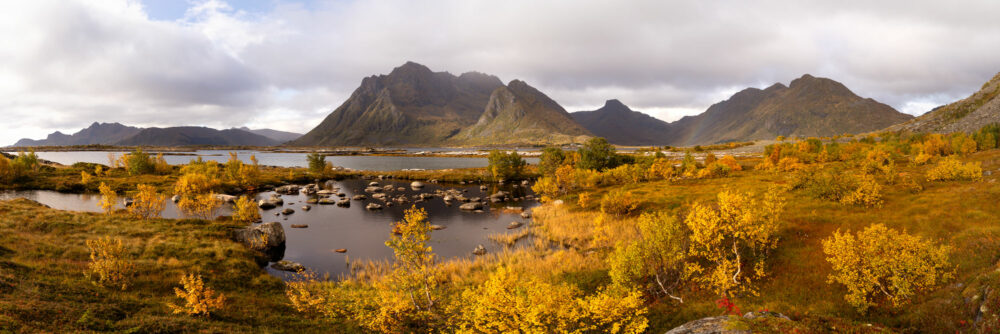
(6, 170)
(867, 193)
(108, 198)
(85, 178)
(662, 169)
(246, 175)
(625, 174)
(414, 273)
(657, 260)
(546, 187)
(962, 144)
(245, 210)
(987, 137)
(883, 264)
(551, 159)
(951, 169)
(619, 203)
(730, 242)
(147, 202)
(505, 166)
(198, 299)
(200, 205)
(597, 154)
(317, 162)
(731, 162)
(935, 145)
(136, 163)
(110, 264)
(195, 191)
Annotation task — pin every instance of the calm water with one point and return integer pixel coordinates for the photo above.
(362, 232)
(359, 162)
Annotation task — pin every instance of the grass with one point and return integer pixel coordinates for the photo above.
(42, 287)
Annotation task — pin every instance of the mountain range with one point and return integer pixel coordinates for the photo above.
(118, 134)
(623, 126)
(968, 115)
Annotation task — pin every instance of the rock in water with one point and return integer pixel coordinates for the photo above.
(287, 211)
(479, 250)
(299, 225)
(340, 250)
(416, 184)
(514, 225)
(261, 237)
(373, 206)
(285, 265)
(471, 206)
(344, 203)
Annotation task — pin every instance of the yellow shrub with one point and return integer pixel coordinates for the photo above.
(245, 210)
(951, 169)
(731, 162)
(198, 299)
(868, 193)
(710, 158)
(619, 203)
(85, 178)
(662, 169)
(790, 164)
(199, 205)
(882, 264)
(146, 202)
(922, 158)
(935, 145)
(108, 199)
(566, 178)
(546, 187)
(110, 264)
(584, 200)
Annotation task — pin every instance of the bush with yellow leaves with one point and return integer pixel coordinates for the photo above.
(147, 202)
(108, 198)
(867, 193)
(414, 274)
(730, 162)
(952, 169)
(245, 210)
(202, 206)
(662, 168)
(198, 299)
(884, 265)
(195, 191)
(619, 203)
(657, 260)
(547, 188)
(85, 178)
(731, 240)
(110, 264)
(509, 302)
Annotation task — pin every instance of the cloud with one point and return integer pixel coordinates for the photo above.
(65, 64)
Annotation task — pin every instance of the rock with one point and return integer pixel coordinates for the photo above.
(340, 250)
(359, 197)
(524, 183)
(433, 181)
(306, 208)
(127, 202)
(514, 209)
(372, 189)
(341, 195)
(416, 184)
(326, 201)
(449, 198)
(326, 192)
(299, 225)
(226, 198)
(557, 202)
(176, 198)
(285, 265)
(287, 211)
(484, 188)
(721, 324)
(261, 237)
(514, 225)
(479, 250)
(373, 184)
(373, 207)
(471, 206)
(380, 196)
(526, 215)
(290, 189)
(344, 203)
(400, 189)
(436, 227)
(987, 173)
(426, 196)
(312, 201)
(402, 199)
(388, 188)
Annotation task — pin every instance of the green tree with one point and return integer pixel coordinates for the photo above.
(597, 154)
(505, 166)
(657, 260)
(317, 162)
(551, 159)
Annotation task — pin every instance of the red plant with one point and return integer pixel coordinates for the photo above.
(728, 305)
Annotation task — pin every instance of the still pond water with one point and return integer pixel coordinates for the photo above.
(282, 159)
(360, 231)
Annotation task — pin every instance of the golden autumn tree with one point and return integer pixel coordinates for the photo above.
(198, 298)
(730, 241)
(657, 260)
(196, 196)
(245, 210)
(110, 264)
(882, 265)
(413, 283)
(108, 198)
(147, 202)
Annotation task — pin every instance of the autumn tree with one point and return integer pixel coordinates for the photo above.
(196, 196)
(657, 260)
(110, 263)
(882, 265)
(730, 241)
(552, 158)
(243, 174)
(198, 298)
(952, 169)
(414, 277)
(147, 202)
(597, 154)
(316, 162)
(245, 210)
(503, 166)
(108, 198)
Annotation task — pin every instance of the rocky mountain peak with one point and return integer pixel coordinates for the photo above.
(615, 105)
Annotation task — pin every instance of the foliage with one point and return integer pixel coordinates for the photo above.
(883, 264)
(198, 299)
(317, 162)
(6, 170)
(987, 137)
(619, 203)
(147, 202)
(730, 161)
(413, 281)
(195, 191)
(731, 241)
(597, 154)
(136, 163)
(662, 168)
(951, 169)
(110, 263)
(505, 166)
(546, 187)
(868, 193)
(245, 210)
(655, 261)
(245, 175)
(108, 199)
(22, 167)
(200, 205)
(509, 302)
(552, 158)
(85, 177)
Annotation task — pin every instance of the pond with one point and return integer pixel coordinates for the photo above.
(362, 232)
(285, 159)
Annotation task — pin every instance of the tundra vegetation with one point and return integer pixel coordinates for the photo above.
(878, 233)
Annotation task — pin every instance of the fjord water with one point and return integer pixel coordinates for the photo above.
(286, 159)
(362, 232)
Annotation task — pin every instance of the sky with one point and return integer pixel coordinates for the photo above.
(286, 64)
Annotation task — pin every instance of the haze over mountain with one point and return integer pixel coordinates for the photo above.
(280, 136)
(414, 106)
(623, 126)
(969, 114)
(96, 133)
(192, 135)
(808, 107)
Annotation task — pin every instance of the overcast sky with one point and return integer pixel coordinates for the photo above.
(286, 64)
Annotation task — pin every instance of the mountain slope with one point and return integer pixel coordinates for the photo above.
(97, 133)
(623, 126)
(968, 115)
(190, 135)
(279, 136)
(808, 107)
(520, 114)
(410, 105)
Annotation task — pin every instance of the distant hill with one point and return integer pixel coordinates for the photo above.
(279, 136)
(520, 114)
(809, 106)
(623, 126)
(410, 106)
(968, 115)
(97, 133)
(190, 135)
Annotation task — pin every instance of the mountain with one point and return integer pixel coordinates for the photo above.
(968, 115)
(623, 126)
(279, 136)
(97, 133)
(807, 107)
(410, 106)
(520, 114)
(190, 135)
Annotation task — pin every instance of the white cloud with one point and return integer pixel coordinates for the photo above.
(65, 64)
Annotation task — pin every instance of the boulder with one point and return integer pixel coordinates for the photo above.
(373, 184)
(372, 189)
(479, 250)
(514, 225)
(312, 201)
(306, 208)
(176, 198)
(299, 225)
(471, 206)
(416, 184)
(526, 215)
(449, 198)
(326, 192)
(226, 198)
(437, 227)
(285, 265)
(388, 188)
(290, 189)
(373, 207)
(721, 324)
(344, 203)
(261, 237)
(287, 211)
(326, 201)
(359, 197)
